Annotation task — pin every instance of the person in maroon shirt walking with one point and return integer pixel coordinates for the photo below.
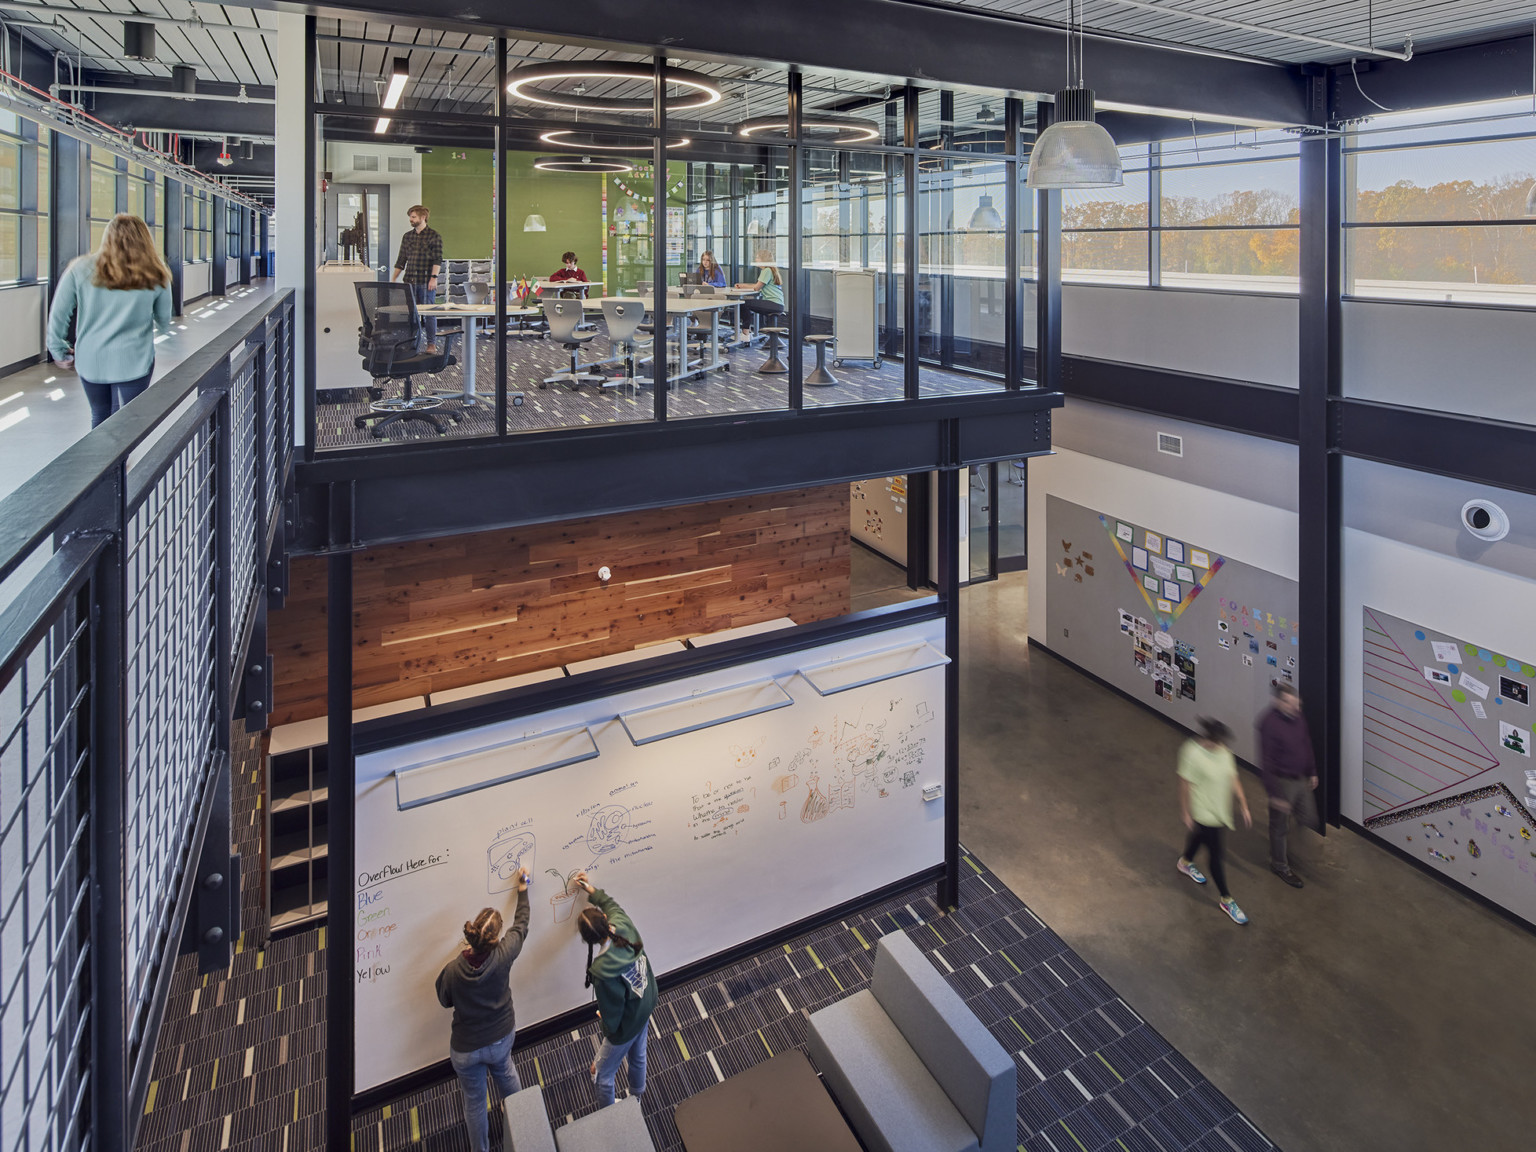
(1290, 775)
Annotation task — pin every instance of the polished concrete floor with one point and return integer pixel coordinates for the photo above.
(1373, 1009)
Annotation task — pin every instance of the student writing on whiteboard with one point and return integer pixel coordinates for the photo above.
(621, 979)
(475, 985)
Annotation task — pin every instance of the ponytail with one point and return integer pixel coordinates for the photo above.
(595, 928)
(483, 931)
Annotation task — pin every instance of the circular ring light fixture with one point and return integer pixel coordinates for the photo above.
(848, 129)
(583, 164)
(603, 141)
(542, 84)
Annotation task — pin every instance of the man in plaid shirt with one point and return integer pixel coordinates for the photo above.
(421, 259)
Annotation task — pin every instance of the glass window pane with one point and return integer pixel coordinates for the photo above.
(10, 248)
(1104, 257)
(10, 173)
(1265, 192)
(103, 191)
(1484, 181)
(964, 120)
(1233, 259)
(836, 110)
(1484, 265)
(1123, 207)
(44, 271)
(960, 289)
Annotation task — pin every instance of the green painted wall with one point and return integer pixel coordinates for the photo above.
(572, 206)
(459, 186)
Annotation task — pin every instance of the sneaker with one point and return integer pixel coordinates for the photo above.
(1287, 875)
(1229, 906)
(1191, 871)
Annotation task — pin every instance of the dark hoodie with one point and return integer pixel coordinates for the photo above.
(621, 977)
(479, 995)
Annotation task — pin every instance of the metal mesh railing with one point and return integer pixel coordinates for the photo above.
(172, 570)
(246, 489)
(277, 436)
(45, 890)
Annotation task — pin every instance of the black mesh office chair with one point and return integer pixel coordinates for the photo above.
(389, 343)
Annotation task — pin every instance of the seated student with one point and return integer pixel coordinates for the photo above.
(770, 302)
(709, 272)
(568, 271)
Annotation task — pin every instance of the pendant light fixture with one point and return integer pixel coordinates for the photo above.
(986, 218)
(1530, 201)
(1074, 152)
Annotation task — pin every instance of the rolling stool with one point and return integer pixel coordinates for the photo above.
(819, 374)
(773, 363)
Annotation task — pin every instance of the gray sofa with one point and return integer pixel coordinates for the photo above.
(912, 1067)
(618, 1128)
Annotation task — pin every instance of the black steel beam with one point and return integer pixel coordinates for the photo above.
(405, 494)
(1257, 409)
(1495, 70)
(946, 565)
(935, 44)
(132, 108)
(1467, 447)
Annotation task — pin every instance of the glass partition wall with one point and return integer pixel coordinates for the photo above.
(679, 238)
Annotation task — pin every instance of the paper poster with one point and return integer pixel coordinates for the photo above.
(1154, 542)
(1163, 639)
(1174, 551)
(1435, 676)
(1164, 607)
(1515, 738)
(1125, 621)
(1185, 574)
(1172, 591)
(1473, 685)
(1150, 584)
(1139, 558)
(1445, 653)
(1478, 710)
(1199, 559)
(1124, 532)
(1515, 691)
(1163, 568)
(1247, 660)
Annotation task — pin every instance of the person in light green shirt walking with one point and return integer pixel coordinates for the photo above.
(119, 298)
(1208, 784)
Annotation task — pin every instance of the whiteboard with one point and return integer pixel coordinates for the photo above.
(709, 838)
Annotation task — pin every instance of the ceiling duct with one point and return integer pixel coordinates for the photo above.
(138, 40)
(184, 79)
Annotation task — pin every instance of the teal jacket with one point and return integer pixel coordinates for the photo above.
(622, 979)
(115, 328)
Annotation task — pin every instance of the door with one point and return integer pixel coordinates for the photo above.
(356, 225)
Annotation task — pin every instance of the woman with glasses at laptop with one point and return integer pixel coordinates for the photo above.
(710, 272)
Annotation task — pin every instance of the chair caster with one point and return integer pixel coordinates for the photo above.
(375, 393)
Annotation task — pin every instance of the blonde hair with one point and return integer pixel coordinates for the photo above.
(484, 930)
(127, 258)
(765, 260)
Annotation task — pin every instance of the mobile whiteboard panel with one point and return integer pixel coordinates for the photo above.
(708, 838)
(855, 321)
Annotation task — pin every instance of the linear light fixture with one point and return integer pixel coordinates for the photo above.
(399, 74)
(543, 84)
(604, 142)
(382, 125)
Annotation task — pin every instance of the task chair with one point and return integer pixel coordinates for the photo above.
(624, 328)
(563, 316)
(388, 343)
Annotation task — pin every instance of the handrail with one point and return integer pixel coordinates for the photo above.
(39, 506)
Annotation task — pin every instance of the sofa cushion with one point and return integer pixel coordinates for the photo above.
(527, 1122)
(617, 1128)
(890, 1098)
(966, 1060)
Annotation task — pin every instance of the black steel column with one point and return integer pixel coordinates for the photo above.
(218, 282)
(797, 315)
(1048, 287)
(919, 521)
(175, 238)
(305, 371)
(499, 240)
(67, 207)
(1013, 272)
(947, 573)
(1319, 466)
(913, 388)
(340, 989)
(660, 371)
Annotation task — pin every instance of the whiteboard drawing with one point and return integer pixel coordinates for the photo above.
(816, 806)
(564, 901)
(785, 783)
(605, 831)
(507, 853)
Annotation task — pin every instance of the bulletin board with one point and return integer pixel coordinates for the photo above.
(1168, 620)
(878, 509)
(1447, 774)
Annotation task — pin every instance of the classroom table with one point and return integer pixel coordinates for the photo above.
(779, 1105)
(473, 315)
(678, 311)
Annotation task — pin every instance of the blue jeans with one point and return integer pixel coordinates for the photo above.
(472, 1067)
(608, 1058)
(106, 399)
(425, 295)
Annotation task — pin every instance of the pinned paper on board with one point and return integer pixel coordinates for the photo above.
(1444, 652)
(1174, 551)
(1125, 532)
(1515, 738)
(1184, 574)
(1164, 607)
(1472, 684)
(1163, 568)
(1199, 559)
(1150, 584)
(1139, 558)
(1154, 542)
(1436, 676)
(1515, 691)
(1478, 710)
(1172, 591)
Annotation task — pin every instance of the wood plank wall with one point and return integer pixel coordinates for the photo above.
(440, 614)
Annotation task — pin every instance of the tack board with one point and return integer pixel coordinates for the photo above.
(1446, 769)
(1208, 641)
(709, 838)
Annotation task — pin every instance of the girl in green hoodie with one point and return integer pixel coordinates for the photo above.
(625, 987)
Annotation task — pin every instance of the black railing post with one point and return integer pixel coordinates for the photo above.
(947, 574)
(499, 240)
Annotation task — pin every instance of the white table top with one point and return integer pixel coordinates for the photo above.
(561, 285)
(618, 658)
(743, 630)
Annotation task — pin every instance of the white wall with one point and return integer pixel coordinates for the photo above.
(293, 176)
(24, 322)
(1237, 336)
(196, 280)
(1474, 361)
(404, 187)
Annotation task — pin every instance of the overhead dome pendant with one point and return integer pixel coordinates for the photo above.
(1075, 152)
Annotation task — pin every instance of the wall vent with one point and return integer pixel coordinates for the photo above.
(1169, 444)
(365, 163)
(400, 163)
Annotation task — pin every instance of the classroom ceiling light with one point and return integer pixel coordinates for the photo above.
(845, 129)
(986, 218)
(604, 141)
(986, 115)
(382, 125)
(534, 223)
(1074, 152)
(398, 75)
(583, 164)
(541, 83)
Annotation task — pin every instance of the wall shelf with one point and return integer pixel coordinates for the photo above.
(871, 667)
(705, 710)
(434, 780)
